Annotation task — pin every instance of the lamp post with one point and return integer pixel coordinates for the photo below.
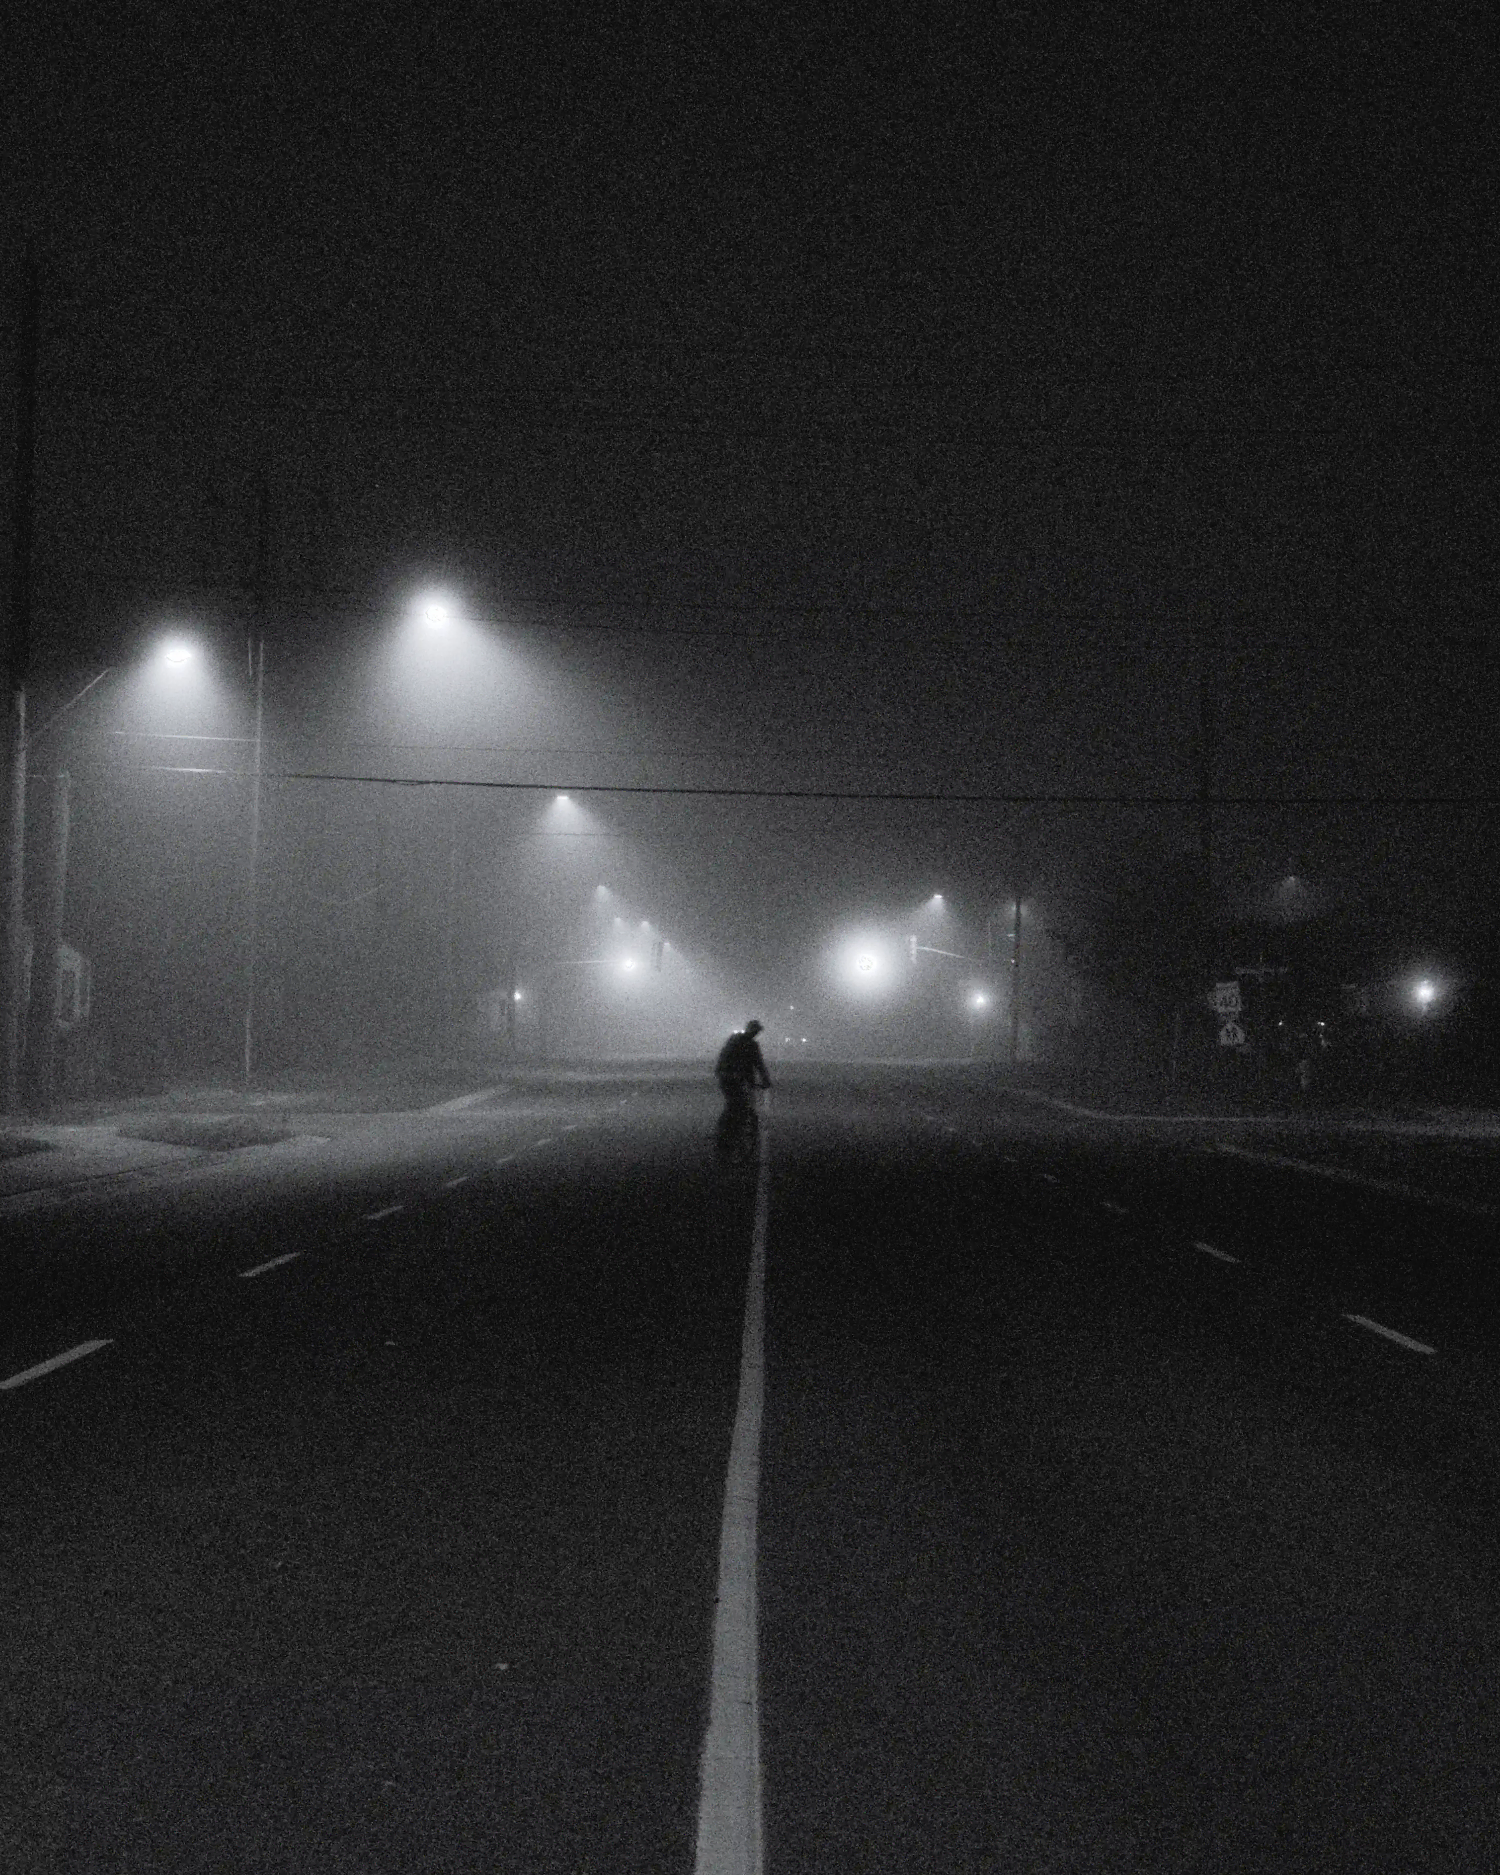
(17, 671)
(252, 869)
(1015, 983)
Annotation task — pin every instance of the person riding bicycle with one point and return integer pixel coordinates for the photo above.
(739, 1070)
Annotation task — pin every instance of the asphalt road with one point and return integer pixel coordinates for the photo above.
(1120, 1503)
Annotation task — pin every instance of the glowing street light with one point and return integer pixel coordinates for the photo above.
(1424, 994)
(434, 609)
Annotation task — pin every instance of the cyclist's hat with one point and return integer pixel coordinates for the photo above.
(752, 1027)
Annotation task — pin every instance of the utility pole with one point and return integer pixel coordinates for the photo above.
(1208, 749)
(1015, 982)
(17, 671)
(256, 655)
(40, 1053)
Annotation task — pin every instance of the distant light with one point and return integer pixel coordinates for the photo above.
(434, 609)
(516, 996)
(979, 1000)
(1426, 992)
(177, 652)
(864, 963)
(628, 963)
(562, 800)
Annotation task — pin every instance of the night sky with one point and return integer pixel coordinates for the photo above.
(812, 397)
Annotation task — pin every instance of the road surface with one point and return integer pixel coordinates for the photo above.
(1082, 1496)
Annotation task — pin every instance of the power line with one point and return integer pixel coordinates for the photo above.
(943, 797)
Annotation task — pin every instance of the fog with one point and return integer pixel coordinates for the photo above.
(524, 837)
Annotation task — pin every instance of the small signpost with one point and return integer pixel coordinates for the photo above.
(1228, 1005)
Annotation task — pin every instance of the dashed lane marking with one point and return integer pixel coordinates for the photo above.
(289, 1256)
(1391, 1334)
(1213, 1250)
(58, 1360)
(461, 1179)
(550, 1140)
(1051, 1177)
(390, 1210)
(1108, 1204)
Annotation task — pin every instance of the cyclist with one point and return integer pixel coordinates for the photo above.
(739, 1070)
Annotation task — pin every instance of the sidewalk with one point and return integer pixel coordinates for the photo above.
(41, 1157)
(1449, 1157)
(1478, 1123)
(84, 1142)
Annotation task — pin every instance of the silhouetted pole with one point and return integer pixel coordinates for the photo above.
(1015, 983)
(17, 662)
(46, 965)
(257, 657)
(1208, 738)
(252, 880)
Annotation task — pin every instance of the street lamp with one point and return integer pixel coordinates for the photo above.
(435, 609)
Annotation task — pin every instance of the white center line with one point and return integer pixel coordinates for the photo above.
(548, 1141)
(58, 1360)
(729, 1802)
(389, 1211)
(275, 1263)
(1212, 1250)
(461, 1179)
(1391, 1334)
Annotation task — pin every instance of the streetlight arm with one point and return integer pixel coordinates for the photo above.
(57, 715)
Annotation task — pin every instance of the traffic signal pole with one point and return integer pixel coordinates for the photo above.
(17, 670)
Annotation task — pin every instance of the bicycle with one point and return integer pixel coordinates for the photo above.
(738, 1132)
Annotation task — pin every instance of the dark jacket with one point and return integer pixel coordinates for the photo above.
(741, 1063)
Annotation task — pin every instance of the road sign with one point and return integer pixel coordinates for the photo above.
(1227, 998)
(1231, 1035)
